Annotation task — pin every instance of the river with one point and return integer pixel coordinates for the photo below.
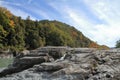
(4, 62)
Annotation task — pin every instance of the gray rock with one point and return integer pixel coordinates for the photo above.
(23, 63)
(51, 67)
(76, 64)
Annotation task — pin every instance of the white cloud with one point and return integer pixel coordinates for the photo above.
(106, 34)
(108, 11)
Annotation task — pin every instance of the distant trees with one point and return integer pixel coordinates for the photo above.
(93, 45)
(118, 44)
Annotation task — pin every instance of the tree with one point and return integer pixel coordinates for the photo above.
(118, 44)
(93, 45)
(3, 34)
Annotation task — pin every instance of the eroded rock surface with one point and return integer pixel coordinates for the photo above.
(69, 64)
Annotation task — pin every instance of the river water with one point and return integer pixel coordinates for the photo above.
(4, 62)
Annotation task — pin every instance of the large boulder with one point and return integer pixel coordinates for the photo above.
(51, 67)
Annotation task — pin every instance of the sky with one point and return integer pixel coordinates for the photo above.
(98, 20)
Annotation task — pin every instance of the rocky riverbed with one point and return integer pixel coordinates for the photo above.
(64, 63)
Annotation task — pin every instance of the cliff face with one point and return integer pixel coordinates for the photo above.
(63, 63)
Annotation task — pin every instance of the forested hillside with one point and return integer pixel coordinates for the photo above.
(18, 34)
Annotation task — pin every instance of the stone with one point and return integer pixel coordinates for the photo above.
(22, 64)
(70, 64)
(51, 67)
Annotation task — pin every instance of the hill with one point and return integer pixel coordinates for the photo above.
(18, 34)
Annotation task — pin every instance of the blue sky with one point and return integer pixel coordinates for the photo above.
(96, 19)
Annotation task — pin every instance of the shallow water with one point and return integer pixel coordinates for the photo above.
(4, 62)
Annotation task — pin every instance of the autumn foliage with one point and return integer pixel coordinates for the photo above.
(18, 33)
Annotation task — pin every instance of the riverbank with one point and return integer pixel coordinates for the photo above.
(61, 63)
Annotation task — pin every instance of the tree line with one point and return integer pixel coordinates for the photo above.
(18, 34)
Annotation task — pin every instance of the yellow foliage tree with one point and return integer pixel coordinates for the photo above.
(12, 23)
(93, 45)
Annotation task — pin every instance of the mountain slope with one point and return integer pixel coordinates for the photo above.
(17, 33)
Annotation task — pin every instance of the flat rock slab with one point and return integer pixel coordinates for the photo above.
(51, 67)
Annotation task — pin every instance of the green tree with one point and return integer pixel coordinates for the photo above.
(17, 33)
(118, 44)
